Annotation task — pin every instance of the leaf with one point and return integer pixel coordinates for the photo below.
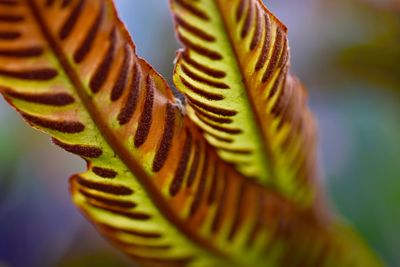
(234, 72)
(149, 187)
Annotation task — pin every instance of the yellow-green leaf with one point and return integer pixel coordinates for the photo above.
(234, 72)
(149, 186)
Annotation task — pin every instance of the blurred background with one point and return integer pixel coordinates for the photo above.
(347, 52)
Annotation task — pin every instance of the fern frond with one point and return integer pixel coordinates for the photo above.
(149, 186)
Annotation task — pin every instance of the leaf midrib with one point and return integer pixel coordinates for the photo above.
(267, 147)
(120, 151)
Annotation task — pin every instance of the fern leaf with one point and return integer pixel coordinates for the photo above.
(149, 187)
(234, 72)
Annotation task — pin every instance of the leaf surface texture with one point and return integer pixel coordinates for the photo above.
(234, 72)
(71, 70)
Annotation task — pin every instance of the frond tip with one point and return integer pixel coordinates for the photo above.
(234, 72)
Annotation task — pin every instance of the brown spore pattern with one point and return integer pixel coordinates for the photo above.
(212, 109)
(240, 10)
(179, 176)
(131, 101)
(167, 138)
(219, 119)
(90, 37)
(208, 70)
(104, 172)
(218, 219)
(118, 190)
(11, 18)
(10, 35)
(275, 56)
(22, 52)
(80, 150)
(123, 204)
(66, 3)
(258, 30)
(51, 99)
(115, 230)
(146, 117)
(194, 30)
(43, 74)
(201, 187)
(129, 214)
(247, 23)
(262, 59)
(11, 3)
(100, 76)
(71, 21)
(200, 79)
(197, 90)
(60, 126)
(194, 166)
(193, 9)
(122, 80)
(206, 52)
